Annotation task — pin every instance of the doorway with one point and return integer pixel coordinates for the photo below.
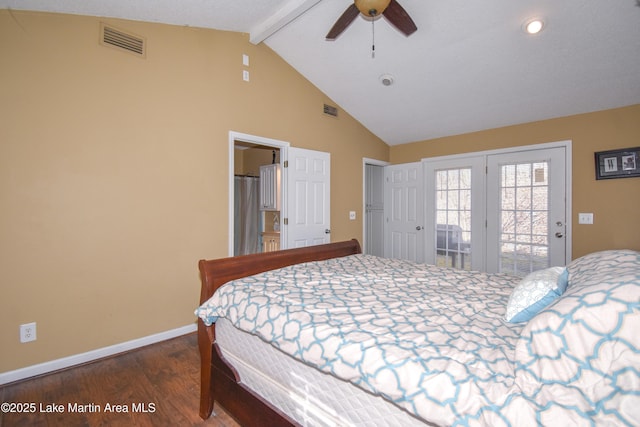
(373, 210)
(304, 188)
(255, 228)
(246, 154)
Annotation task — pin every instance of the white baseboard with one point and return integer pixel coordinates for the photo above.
(76, 359)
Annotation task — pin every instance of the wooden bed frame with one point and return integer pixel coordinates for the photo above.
(219, 381)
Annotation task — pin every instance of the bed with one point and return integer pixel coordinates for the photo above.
(326, 335)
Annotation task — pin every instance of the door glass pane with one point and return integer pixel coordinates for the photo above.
(524, 218)
(453, 218)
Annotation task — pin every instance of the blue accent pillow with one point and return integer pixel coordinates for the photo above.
(536, 291)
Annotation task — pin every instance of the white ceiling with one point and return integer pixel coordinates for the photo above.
(469, 66)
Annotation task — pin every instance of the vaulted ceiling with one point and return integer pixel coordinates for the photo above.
(470, 65)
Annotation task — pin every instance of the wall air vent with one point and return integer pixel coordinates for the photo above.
(113, 37)
(330, 110)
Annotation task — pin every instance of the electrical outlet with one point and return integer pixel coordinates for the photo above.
(352, 215)
(28, 332)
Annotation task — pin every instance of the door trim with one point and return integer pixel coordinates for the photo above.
(252, 139)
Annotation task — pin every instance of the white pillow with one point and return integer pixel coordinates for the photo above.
(535, 292)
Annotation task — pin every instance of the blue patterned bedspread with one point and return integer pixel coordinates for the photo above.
(431, 340)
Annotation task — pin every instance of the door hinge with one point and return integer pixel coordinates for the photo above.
(286, 164)
(285, 221)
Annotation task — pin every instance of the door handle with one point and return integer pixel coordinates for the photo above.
(559, 235)
(418, 228)
(327, 231)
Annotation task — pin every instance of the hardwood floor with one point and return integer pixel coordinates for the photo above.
(158, 385)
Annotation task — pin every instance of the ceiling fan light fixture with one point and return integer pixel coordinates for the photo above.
(371, 11)
(372, 8)
(533, 26)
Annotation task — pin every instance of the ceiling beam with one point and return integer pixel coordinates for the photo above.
(269, 26)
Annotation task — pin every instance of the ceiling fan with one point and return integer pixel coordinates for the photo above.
(391, 10)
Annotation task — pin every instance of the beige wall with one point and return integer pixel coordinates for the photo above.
(615, 203)
(113, 172)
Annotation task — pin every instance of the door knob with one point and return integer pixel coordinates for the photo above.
(559, 235)
(418, 228)
(327, 231)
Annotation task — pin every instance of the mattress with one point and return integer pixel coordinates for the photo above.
(307, 395)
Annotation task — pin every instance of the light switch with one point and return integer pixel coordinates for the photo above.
(585, 218)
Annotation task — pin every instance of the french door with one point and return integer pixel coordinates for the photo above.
(526, 211)
(454, 190)
(498, 211)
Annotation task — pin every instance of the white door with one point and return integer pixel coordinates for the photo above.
(454, 215)
(307, 218)
(526, 211)
(404, 212)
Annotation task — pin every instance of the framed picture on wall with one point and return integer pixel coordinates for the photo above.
(622, 163)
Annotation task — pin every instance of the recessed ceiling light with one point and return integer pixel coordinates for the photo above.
(386, 79)
(533, 26)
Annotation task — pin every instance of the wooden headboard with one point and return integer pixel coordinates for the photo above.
(218, 379)
(217, 272)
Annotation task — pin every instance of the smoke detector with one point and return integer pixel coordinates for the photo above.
(386, 79)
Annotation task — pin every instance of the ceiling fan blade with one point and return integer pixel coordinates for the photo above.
(343, 22)
(399, 18)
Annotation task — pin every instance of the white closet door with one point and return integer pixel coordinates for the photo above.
(404, 212)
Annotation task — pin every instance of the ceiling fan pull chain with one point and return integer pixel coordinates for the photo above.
(373, 38)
